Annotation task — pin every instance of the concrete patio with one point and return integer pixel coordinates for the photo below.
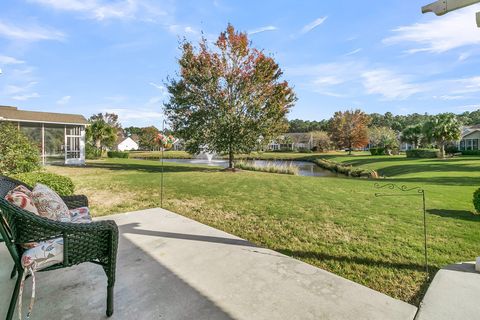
(171, 267)
(453, 294)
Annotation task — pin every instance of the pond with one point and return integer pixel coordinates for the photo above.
(305, 168)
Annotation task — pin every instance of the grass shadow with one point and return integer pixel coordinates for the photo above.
(455, 214)
(149, 167)
(447, 181)
(320, 256)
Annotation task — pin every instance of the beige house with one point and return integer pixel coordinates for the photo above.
(470, 138)
(60, 137)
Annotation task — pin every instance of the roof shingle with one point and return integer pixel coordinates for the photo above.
(13, 114)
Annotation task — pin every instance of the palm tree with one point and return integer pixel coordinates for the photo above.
(413, 135)
(443, 128)
(102, 134)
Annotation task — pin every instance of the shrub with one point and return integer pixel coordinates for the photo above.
(451, 149)
(17, 153)
(61, 184)
(377, 151)
(270, 168)
(476, 200)
(471, 152)
(304, 150)
(423, 153)
(92, 152)
(347, 170)
(117, 154)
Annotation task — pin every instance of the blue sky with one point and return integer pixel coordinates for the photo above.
(89, 56)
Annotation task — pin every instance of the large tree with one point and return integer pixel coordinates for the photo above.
(349, 129)
(442, 129)
(148, 138)
(228, 96)
(321, 141)
(383, 137)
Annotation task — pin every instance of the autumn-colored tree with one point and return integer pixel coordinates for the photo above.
(147, 138)
(349, 129)
(227, 97)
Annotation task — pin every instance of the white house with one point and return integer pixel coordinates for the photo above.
(292, 141)
(127, 144)
(60, 137)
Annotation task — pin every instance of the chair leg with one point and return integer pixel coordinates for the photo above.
(13, 301)
(109, 301)
(14, 272)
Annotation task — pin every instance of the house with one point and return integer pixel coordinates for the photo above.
(292, 141)
(60, 137)
(470, 138)
(127, 144)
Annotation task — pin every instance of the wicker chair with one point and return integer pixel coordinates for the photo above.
(95, 242)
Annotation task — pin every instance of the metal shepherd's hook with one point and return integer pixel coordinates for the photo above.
(161, 175)
(416, 191)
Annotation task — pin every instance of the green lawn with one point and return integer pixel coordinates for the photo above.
(334, 223)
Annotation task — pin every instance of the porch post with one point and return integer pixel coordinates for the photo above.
(43, 143)
(65, 142)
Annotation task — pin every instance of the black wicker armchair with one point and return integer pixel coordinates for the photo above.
(95, 242)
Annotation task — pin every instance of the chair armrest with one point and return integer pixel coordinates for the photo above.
(75, 201)
(33, 228)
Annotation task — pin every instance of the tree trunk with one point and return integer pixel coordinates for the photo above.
(230, 159)
(442, 150)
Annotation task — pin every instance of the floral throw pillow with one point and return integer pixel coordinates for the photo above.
(49, 204)
(22, 197)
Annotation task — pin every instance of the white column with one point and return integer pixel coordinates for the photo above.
(82, 145)
(65, 142)
(43, 143)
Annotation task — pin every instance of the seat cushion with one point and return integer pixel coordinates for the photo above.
(80, 215)
(50, 252)
(22, 197)
(49, 204)
(44, 255)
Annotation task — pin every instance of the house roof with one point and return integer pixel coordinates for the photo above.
(13, 114)
(128, 139)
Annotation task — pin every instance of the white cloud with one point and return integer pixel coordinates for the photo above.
(178, 29)
(10, 60)
(449, 97)
(351, 53)
(390, 85)
(64, 100)
(16, 89)
(26, 96)
(128, 114)
(103, 10)
(440, 34)
(30, 33)
(262, 29)
(464, 56)
(312, 25)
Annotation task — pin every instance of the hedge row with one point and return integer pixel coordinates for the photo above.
(347, 170)
(117, 154)
(60, 184)
(471, 152)
(377, 151)
(423, 153)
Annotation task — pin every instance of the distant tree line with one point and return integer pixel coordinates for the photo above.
(396, 122)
